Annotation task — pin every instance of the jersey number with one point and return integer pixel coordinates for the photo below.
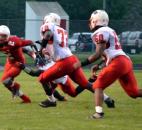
(63, 37)
(117, 44)
(99, 38)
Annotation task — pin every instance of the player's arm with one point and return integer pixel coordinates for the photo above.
(27, 42)
(100, 47)
(31, 71)
(29, 53)
(47, 38)
(101, 40)
(19, 42)
(98, 66)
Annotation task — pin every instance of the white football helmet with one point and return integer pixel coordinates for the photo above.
(98, 18)
(52, 18)
(4, 33)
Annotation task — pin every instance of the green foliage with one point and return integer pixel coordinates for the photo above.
(77, 9)
(12, 9)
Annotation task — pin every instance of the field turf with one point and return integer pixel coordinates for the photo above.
(70, 115)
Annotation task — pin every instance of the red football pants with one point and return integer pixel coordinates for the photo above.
(10, 70)
(68, 88)
(120, 68)
(62, 68)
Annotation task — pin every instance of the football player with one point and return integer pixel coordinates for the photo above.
(12, 47)
(107, 44)
(64, 82)
(65, 62)
(41, 63)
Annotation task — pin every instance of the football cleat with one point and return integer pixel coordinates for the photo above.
(25, 99)
(62, 98)
(97, 115)
(110, 103)
(47, 103)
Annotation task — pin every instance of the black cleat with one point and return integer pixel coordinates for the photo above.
(110, 103)
(62, 98)
(97, 115)
(47, 103)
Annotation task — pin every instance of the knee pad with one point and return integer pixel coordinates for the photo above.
(7, 82)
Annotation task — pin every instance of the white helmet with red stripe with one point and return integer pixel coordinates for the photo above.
(99, 18)
(52, 18)
(4, 33)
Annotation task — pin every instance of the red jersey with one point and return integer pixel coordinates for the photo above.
(13, 49)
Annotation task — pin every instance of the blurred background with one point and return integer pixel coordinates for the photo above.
(24, 19)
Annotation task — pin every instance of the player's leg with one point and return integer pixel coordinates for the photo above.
(51, 100)
(52, 95)
(129, 84)
(58, 96)
(79, 77)
(59, 69)
(68, 87)
(10, 73)
(128, 80)
(101, 83)
(105, 78)
(7, 78)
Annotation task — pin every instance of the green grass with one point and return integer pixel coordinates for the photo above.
(71, 115)
(137, 58)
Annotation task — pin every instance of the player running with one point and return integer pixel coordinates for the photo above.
(64, 82)
(107, 44)
(65, 62)
(12, 47)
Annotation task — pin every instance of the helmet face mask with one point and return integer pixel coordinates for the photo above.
(46, 19)
(3, 38)
(52, 18)
(4, 33)
(98, 18)
(92, 24)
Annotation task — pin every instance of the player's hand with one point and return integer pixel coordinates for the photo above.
(33, 45)
(38, 41)
(39, 61)
(85, 62)
(20, 65)
(94, 68)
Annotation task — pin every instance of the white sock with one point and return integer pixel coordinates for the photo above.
(99, 109)
(105, 97)
(20, 93)
(52, 98)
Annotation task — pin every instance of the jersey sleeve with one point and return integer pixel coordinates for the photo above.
(100, 37)
(15, 41)
(46, 31)
(25, 42)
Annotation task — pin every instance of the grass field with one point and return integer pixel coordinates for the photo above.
(71, 115)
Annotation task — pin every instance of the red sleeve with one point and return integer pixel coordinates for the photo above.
(26, 42)
(18, 42)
